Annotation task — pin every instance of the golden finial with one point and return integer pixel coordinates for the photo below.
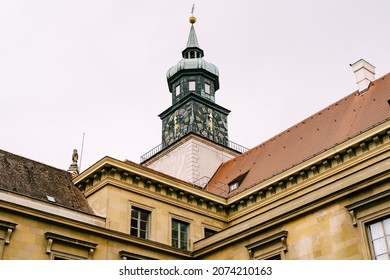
(192, 18)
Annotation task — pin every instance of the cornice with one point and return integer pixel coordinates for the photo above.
(323, 165)
(101, 230)
(194, 97)
(150, 183)
(170, 190)
(303, 202)
(167, 195)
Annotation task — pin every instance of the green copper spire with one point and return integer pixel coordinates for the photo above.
(192, 50)
(192, 39)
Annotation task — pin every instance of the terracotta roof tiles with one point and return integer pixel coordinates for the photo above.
(335, 124)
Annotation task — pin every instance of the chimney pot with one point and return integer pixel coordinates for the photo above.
(365, 74)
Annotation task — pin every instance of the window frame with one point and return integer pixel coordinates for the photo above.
(233, 186)
(139, 221)
(386, 237)
(269, 247)
(366, 211)
(179, 241)
(177, 90)
(56, 244)
(212, 232)
(207, 88)
(190, 84)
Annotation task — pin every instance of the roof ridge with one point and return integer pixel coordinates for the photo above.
(32, 160)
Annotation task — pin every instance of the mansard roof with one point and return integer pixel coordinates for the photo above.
(39, 181)
(329, 127)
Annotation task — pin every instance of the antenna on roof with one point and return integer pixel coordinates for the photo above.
(82, 148)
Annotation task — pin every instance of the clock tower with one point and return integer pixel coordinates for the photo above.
(192, 83)
(194, 128)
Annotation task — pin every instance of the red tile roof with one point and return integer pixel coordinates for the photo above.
(335, 124)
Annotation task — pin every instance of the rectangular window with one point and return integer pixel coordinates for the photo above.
(180, 234)
(207, 88)
(380, 239)
(140, 220)
(191, 86)
(177, 89)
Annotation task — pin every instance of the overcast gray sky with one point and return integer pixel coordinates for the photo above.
(98, 67)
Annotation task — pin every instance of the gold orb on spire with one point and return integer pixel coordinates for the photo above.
(192, 19)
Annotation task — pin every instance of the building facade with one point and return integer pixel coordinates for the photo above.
(318, 190)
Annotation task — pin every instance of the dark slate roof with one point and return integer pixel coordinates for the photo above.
(335, 124)
(40, 181)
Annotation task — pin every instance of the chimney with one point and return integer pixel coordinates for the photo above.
(365, 74)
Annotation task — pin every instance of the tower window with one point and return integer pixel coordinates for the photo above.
(177, 90)
(191, 86)
(207, 88)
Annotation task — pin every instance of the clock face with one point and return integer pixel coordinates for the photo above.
(175, 126)
(211, 124)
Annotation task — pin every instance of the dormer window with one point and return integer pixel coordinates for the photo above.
(207, 88)
(233, 186)
(191, 86)
(177, 89)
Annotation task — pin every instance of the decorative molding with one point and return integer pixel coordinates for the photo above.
(339, 159)
(351, 153)
(303, 175)
(9, 228)
(158, 188)
(136, 179)
(268, 241)
(352, 213)
(124, 175)
(295, 178)
(316, 169)
(326, 164)
(368, 201)
(52, 238)
(147, 183)
(112, 172)
(377, 140)
(364, 147)
(124, 255)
